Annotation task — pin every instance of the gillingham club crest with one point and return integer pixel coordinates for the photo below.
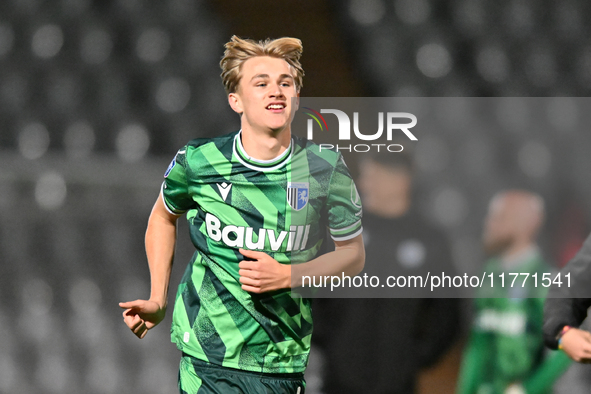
(298, 194)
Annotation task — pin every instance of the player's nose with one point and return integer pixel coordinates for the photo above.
(276, 91)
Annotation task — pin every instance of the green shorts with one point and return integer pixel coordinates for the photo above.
(200, 377)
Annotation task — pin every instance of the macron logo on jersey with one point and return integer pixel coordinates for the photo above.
(224, 189)
(241, 236)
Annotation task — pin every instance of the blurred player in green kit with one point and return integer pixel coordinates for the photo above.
(258, 202)
(505, 353)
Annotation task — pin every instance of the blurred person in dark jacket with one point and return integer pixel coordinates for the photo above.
(567, 306)
(379, 345)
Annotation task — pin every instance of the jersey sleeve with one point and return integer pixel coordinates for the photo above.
(175, 188)
(344, 204)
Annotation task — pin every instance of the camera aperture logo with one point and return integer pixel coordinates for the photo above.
(315, 116)
(394, 124)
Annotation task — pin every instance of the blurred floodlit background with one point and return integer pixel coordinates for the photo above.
(96, 96)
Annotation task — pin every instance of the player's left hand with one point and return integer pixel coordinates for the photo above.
(263, 273)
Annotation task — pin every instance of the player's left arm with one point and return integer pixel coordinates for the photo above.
(263, 273)
(347, 259)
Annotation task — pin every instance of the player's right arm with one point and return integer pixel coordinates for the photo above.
(553, 366)
(142, 315)
(473, 363)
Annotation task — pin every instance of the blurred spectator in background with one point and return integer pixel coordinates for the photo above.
(505, 353)
(379, 346)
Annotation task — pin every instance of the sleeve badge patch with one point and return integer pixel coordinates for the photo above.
(170, 167)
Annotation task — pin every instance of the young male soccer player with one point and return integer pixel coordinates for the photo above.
(256, 200)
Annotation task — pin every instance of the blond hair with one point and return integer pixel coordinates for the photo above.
(239, 50)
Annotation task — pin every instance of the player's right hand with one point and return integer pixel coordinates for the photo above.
(142, 315)
(577, 345)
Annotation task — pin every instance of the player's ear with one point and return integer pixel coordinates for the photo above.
(235, 102)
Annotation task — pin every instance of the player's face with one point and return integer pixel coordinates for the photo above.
(380, 185)
(499, 227)
(264, 95)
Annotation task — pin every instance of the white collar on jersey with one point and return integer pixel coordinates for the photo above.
(281, 160)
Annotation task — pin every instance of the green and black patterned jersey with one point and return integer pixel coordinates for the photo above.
(281, 207)
(506, 345)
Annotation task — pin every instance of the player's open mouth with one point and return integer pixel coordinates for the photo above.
(276, 107)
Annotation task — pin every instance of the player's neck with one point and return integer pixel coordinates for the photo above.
(265, 145)
(517, 252)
